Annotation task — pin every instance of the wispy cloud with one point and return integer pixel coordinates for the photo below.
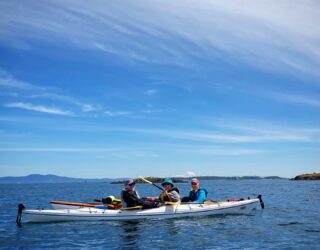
(67, 99)
(55, 149)
(105, 48)
(138, 151)
(42, 109)
(265, 130)
(237, 134)
(8, 81)
(30, 91)
(211, 150)
(117, 113)
(89, 108)
(229, 138)
(150, 92)
(151, 111)
(281, 36)
(103, 151)
(297, 99)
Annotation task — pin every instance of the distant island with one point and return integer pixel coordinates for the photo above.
(154, 180)
(187, 179)
(38, 178)
(304, 177)
(237, 177)
(50, 178)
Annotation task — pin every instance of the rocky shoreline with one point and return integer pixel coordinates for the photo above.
(304, 177)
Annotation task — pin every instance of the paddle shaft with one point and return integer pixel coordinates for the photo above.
(162, 189)
(145, 180)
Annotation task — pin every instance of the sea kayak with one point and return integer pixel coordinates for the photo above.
(171, 210)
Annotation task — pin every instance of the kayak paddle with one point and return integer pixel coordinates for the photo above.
(145, 180)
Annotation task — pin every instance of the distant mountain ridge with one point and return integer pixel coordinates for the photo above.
(50, 178)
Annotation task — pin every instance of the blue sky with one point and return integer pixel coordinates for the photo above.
(154, 88)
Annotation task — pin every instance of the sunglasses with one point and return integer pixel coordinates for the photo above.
(194, 183)
(132, 184)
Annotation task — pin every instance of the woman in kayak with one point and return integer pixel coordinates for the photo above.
(131, 198)
(196, 194)
(170, 193)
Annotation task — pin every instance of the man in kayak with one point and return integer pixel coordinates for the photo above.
(170, 193)
(131, 198)
(196, 194)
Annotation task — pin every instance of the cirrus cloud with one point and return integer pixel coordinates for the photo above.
(281, 36)
(37, 108)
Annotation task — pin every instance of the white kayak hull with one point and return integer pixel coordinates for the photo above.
(61, 207)
(167, 211)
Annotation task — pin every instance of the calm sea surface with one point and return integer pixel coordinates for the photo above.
(290, 220)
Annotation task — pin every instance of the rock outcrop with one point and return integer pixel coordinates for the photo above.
(314, 176)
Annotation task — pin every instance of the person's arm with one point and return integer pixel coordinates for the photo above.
(162, 195)
(201, 197)
(131, 199)
(174, 196)
(123, 201)
(137, 194)
(134, 197)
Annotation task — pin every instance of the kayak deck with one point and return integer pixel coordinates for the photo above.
(57, 205)
(71, 205)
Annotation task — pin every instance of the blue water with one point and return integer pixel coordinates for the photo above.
(290, 220)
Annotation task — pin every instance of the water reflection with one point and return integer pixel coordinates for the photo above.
(131, 235)
(172, 228)
(134, 232)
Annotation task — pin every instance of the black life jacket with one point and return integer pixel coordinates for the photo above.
(130, 197)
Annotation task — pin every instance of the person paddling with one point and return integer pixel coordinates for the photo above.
(170, 192)
(129, 196)
(196, 194)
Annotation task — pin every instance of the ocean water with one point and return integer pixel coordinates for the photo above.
(290, 220)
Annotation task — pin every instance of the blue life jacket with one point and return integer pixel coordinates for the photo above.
(199, 196)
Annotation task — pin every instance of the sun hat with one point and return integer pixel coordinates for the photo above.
(129, 182)
(167, 181)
